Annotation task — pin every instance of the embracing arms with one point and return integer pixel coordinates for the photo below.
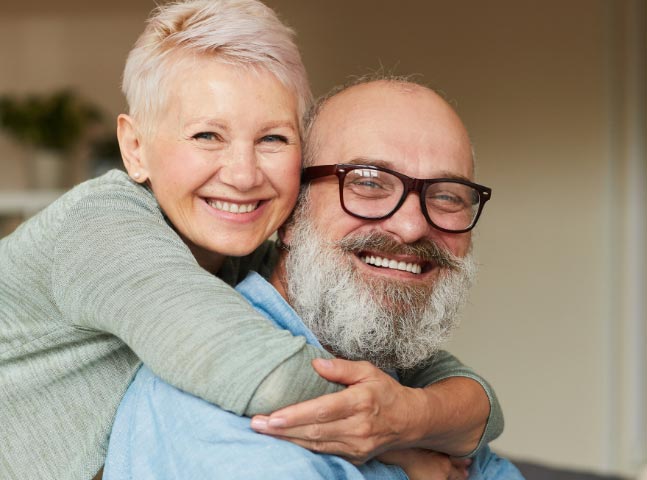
(120, 268)
(455, 414)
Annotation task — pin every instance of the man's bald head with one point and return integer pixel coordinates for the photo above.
(370, 96)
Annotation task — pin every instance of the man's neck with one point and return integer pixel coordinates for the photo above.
(278, 278)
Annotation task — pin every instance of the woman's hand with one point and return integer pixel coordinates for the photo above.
(374, 413)
(421, 464)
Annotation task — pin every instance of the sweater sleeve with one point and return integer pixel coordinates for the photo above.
(444, 365)
(120, 268)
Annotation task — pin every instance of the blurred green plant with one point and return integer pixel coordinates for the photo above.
(56, 121)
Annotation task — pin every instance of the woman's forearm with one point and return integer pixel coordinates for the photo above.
(291, 382)
(471, 413)
(453, 416)
(119, 268)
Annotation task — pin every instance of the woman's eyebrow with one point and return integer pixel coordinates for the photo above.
(280, 124)
(211, 122)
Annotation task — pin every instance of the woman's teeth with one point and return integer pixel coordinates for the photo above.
(393, 264)
(233, 207)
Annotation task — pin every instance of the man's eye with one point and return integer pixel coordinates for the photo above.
(366, 183)
(446, 197)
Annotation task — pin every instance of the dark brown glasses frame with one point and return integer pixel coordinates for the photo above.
(418, 185)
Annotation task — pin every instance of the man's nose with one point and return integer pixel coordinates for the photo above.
(408, 224)
(241, 169)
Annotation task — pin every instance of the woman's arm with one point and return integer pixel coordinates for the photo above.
(451, 414)
(119, 268)
(468, 397)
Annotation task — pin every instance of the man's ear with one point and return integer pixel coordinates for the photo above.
(285, 234)
(130, 144)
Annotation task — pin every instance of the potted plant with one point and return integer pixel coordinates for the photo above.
(51, 126)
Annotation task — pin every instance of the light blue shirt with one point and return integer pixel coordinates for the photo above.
(161, 432)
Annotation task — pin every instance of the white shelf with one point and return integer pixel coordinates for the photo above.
(26, 202)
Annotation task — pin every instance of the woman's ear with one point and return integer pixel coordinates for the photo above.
(130, 144)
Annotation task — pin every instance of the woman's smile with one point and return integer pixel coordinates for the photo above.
(232, 207)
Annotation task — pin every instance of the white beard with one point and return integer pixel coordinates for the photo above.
(390, 323)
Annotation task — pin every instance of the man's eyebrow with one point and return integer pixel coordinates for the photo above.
(452, 176)
(386, 164)
(371, 161)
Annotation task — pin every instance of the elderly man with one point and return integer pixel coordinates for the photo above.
(376, 263)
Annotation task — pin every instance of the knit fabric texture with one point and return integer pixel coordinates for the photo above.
(91, 285)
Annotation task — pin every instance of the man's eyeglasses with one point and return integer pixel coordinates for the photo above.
(374, 193)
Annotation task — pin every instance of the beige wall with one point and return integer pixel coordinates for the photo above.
(46, 49)
(550, 92)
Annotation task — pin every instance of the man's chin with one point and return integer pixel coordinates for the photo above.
(396, 296)
(393, 318)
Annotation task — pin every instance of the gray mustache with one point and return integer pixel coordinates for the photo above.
(425, 249)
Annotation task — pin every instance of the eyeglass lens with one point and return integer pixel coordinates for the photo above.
(375, 194)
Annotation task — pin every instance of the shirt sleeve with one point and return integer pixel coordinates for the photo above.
(161, 432)
(444, 365)
(120, 268)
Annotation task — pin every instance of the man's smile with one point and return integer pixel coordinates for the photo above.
(393, 264)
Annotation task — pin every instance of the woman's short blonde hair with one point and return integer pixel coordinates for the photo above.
(242, 33)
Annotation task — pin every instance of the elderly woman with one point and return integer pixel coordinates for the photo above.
(121, 269)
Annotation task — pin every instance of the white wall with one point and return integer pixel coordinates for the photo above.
(553, 94)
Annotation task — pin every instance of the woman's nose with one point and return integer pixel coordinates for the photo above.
(241, 169)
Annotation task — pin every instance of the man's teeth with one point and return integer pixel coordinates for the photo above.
(233, 207)
(393, 264)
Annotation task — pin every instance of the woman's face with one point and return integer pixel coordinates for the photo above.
(224, 159)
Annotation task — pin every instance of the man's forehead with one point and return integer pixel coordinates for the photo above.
(390, 98)
(398, 166)
(395, 126)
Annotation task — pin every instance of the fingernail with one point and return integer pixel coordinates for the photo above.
(324, 363)
(258, 424)
(277, 422)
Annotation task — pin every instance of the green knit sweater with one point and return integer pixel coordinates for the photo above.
(98, 282)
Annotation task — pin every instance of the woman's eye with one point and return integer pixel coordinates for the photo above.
(205, 136)
(274, 139)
